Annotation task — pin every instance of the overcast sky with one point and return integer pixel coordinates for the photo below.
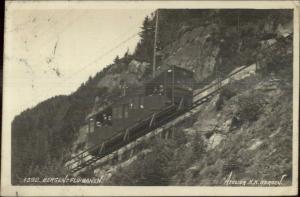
(51, 52)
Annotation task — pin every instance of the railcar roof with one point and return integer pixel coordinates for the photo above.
(160, 72)
(132, 91)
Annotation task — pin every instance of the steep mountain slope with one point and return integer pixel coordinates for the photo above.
(243, 133)
(250, 137)
(206, 41)
(252, 131)
(222, 39)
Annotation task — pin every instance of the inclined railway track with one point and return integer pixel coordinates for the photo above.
(170, 113)
(79, 162)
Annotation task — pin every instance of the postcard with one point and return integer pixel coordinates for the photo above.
(150, 98)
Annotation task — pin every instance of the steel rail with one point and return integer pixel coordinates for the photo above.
(145, 131)
(161, 122)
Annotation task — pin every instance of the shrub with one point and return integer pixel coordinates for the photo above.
(250, 108)
(277, 59)
(250, 112)
(226, 93)
(151, 170)
(198, 147)
(179, 137)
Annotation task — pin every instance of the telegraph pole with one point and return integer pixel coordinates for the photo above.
(238, 30)
(154, 48)
(238, 23)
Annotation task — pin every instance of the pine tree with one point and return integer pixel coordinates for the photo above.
(144, 49)
(126, 55)
(117, 60)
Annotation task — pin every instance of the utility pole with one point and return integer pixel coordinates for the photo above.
(238, 22)
(154, 48)
(238, 30)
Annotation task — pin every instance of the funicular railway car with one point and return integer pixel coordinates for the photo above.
(140, 110)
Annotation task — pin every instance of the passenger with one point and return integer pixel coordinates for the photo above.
(161, 89)
(104, 120)
(109, 120)
(98, 124)
(155, 90)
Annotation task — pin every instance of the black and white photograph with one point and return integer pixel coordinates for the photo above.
(156, 94)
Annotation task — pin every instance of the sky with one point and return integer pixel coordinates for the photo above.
(50, 52)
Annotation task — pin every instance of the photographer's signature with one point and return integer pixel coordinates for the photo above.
(230, 181)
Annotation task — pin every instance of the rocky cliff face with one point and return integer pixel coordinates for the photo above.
(131, 77)
(212, 44)
(195, 51)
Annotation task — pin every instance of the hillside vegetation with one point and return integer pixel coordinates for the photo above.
(250, 143)
(245, 131)
(200, 40)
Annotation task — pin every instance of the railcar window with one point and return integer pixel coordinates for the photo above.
(155, 90)
(141, 102)
(109, 120)
(115, 112)
(98, 124)
(161, 89)
(136, 103)
(92, 124)
(125, 107)
(120, 112)
(130, 103)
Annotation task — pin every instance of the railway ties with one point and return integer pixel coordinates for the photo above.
(204, 99)
(84, 164)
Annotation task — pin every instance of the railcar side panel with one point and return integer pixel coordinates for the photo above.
(133, 113)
